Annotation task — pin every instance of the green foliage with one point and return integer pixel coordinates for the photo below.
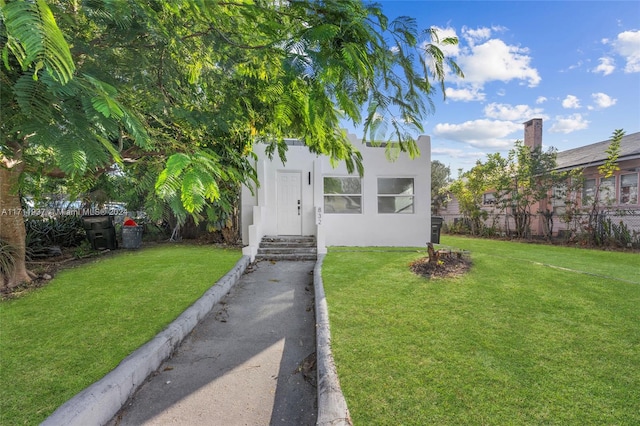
(469, 189)
(190, 87)
(7, 260)
(34, 39)
(593, 225)
(62, 231)
(610, 165)
(528, 179)
(440, 179)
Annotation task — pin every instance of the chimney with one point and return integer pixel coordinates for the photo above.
(533, 133)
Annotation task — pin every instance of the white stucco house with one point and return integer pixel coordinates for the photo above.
(306, 196)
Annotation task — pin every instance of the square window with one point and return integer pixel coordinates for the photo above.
(489, 198)
(629, 189)
(395, 195)
(342, 195)
(588, 191)
(607, 191)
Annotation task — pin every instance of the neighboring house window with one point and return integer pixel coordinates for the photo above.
(588, 191)
(488, 198)
(607, 193)
(559, 197)
(342, 195)
(629, 189)
(395, 195)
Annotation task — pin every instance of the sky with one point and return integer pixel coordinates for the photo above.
(575, 64)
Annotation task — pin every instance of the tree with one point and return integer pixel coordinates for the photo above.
(184, 89)
(47, 111)
(606, 170)
(526, 178)
(469, 190)
(440, 179)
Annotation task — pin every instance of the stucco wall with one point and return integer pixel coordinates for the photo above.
(366, 229)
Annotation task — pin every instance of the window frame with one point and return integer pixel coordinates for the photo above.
(605, 191)
(621, 186)
(344, 195)
(588, 198)
(412, 196)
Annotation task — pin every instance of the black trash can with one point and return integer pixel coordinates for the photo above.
(100, 232)
(132, 236)
(436, 226)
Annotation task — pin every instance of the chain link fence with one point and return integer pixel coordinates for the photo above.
(617, 228)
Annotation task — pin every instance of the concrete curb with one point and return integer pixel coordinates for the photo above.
(332, 407)
(98, 403)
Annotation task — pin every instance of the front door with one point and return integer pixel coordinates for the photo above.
(289, 203)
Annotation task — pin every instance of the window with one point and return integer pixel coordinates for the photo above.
(342, 195)
(559, 195)
(629, 189)
(607, 193)
(588, 191)
(395, 195)
(488, 198)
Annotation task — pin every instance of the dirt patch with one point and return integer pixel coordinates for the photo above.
(448, 265)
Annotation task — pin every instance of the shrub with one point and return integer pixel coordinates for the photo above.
(7, 260)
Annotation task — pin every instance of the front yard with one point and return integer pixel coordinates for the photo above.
(57, 340)
(533, 334)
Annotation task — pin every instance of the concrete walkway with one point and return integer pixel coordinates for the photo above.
(250, 361)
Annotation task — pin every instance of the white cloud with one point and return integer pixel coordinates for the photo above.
(465, 94)
(569, 124)
(494, 60)
(627, 45)
(457, 153)
(541, 100)
(571, 102)
(602, 101)
(520, 113)
(479, 133)
(606, 66)
(474, 36)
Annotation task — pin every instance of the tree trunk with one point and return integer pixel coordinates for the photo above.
(12, 229)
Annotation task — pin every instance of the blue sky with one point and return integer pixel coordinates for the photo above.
(575, 64)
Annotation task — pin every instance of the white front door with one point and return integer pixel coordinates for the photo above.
(289, 203)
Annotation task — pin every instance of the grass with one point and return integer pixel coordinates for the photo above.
(56, 341)
(515, 341)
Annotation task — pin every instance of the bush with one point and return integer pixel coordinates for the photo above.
(7, 260)
(61, 231)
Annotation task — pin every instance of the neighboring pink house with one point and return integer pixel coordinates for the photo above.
(618, 194)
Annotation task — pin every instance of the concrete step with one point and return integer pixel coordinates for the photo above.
(286, 244)
(294, 257)
(287, 248)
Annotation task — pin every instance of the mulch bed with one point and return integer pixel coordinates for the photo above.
(450, 264)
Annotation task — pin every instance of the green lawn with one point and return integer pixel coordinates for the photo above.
(534, 334)
(56, 341)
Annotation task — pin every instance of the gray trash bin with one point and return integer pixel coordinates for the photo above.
(132, 236)
(436, 225)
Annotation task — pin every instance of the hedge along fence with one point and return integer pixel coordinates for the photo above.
(619, 228)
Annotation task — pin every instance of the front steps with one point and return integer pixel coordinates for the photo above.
(287, 248)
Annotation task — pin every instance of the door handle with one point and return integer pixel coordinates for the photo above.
(298, 207)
